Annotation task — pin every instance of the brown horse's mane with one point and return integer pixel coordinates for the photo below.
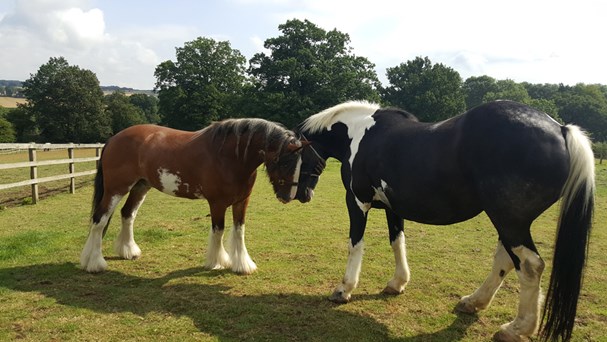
(272, 133)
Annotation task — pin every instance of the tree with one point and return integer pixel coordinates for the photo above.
(66, 103)
(122, 112)
(201, 86)
(475, 89)
(586, 106)
(431, 92)
(148, 104)
(24, 124)
(307, 70)
(600, 150)
(541, 91)
(7, 132)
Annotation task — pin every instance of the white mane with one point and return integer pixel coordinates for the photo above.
(329, 116)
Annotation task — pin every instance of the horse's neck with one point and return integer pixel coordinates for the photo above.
(249, 150)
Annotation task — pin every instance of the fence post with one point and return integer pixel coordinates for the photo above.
(97, 154)
(72, 169)
(33, 173)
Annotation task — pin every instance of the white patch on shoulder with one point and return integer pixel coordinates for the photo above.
(357, 127)
(170, 182)
(380, 194)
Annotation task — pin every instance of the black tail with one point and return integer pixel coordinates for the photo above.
(571, 247)
(98, 191)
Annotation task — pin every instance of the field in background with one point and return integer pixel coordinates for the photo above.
(301, 251)
(10, 102)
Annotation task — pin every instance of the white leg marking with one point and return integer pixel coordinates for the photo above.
(482, 297)
(125, 245)
(526, 322)
(217, 257)
(402, 275)
(350, 281)
(91, 258)
(241, 261)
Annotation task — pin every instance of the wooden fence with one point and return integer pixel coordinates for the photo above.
(33, 164)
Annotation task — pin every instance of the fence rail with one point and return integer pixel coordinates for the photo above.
(33, 164)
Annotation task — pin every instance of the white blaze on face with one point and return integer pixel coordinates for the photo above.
(170, 182)
(296, 178)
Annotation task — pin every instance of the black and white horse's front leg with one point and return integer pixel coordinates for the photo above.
(402, 275)
(358, 221)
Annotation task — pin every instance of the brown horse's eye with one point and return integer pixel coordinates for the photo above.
(281, 182)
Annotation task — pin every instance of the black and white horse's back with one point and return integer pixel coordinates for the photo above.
(504, 158)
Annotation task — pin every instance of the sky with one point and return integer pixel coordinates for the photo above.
(122, 41)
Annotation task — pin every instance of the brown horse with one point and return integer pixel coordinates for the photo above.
(218, 163)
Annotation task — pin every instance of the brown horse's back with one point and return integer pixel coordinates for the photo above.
(158, 155)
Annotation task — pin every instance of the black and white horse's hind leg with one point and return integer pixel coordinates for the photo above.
(91, 258)
(529, 272)
(482, 297)
(125, 245)
(358, 220)
(402, 275)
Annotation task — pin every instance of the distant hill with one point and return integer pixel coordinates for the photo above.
(105, 89)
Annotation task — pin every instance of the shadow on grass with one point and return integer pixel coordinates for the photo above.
(211, 307)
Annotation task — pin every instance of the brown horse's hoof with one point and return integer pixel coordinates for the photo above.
(391, 292)
(338, 298)
(465, 307)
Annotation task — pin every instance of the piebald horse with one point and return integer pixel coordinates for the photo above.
(218, 163)
(504, 158)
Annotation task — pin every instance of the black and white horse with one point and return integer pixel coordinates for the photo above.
(504, 158)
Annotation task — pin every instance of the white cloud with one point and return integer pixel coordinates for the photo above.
(38, 30)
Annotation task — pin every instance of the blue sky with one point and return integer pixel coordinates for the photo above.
(122, 41)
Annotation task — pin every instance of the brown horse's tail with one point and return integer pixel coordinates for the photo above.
(571, 247)
(98, 191)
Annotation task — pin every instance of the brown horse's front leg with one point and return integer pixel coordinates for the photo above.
(241, 261)
(217, 257)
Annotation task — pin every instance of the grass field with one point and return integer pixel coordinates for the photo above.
(10, 102)
(301, 251)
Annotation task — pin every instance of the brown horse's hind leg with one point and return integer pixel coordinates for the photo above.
(91, 258)
(217, 257)
(125, 245)
(241, 261)
(482, 297)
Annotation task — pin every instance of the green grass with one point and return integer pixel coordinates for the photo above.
(301, 251)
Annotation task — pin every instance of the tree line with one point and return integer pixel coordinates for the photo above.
(303, 71)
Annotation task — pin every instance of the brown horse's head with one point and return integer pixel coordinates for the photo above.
(283, 167)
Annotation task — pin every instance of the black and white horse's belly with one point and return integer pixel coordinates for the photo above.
(437, 202)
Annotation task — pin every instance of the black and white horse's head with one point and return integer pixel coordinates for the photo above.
(334, 132)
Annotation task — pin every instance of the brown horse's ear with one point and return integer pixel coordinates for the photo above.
(262, 154)
(294, 147)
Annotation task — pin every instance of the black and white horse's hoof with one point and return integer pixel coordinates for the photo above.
(339, 297)
(391, 292)
(507, 336)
